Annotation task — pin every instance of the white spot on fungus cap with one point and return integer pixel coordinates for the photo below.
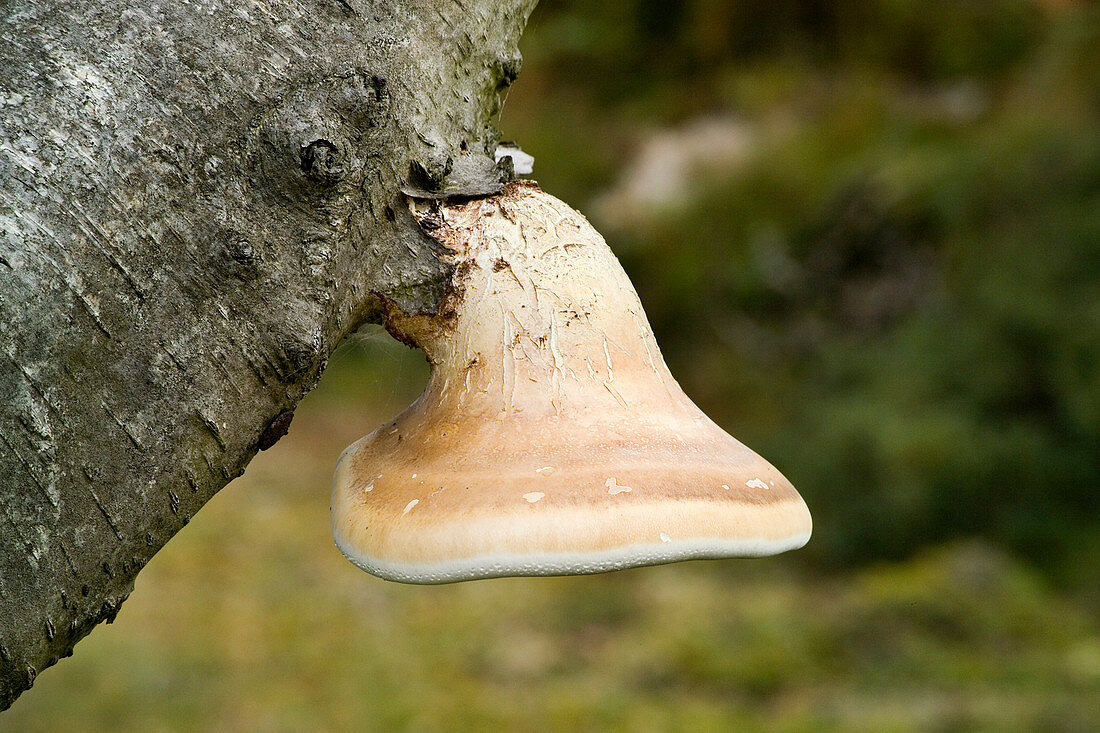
(568, 448)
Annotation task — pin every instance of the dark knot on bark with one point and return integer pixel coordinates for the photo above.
(322, 163)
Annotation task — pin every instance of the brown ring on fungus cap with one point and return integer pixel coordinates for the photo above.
(551, 438)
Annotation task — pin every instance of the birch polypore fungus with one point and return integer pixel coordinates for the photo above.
(551, 438)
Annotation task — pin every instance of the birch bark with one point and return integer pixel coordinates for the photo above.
(198, 201)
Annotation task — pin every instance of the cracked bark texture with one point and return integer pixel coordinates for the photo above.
(198, 201)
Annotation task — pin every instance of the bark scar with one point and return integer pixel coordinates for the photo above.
(275, 429)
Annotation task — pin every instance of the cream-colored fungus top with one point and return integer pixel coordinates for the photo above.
(551, 438)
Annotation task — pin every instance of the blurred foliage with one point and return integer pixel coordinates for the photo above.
(893, 291)
(250, 620)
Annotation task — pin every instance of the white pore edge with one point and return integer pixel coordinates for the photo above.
(569, 563)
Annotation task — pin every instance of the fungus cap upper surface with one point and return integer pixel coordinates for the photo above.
(551, 438)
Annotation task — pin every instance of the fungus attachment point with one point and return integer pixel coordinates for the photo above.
(558, 439)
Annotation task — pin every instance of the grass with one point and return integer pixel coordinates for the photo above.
(250, 620)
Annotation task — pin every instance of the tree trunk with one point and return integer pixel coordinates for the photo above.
(198, 201)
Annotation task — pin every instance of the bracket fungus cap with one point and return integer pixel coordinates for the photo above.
(551, 438)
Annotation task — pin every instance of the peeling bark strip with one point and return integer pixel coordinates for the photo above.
(197, 202)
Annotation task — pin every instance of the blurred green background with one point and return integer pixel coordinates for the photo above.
(867, 235)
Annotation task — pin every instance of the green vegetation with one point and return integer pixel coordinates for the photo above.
(251, 621)
(882, 272)
(892, 288)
